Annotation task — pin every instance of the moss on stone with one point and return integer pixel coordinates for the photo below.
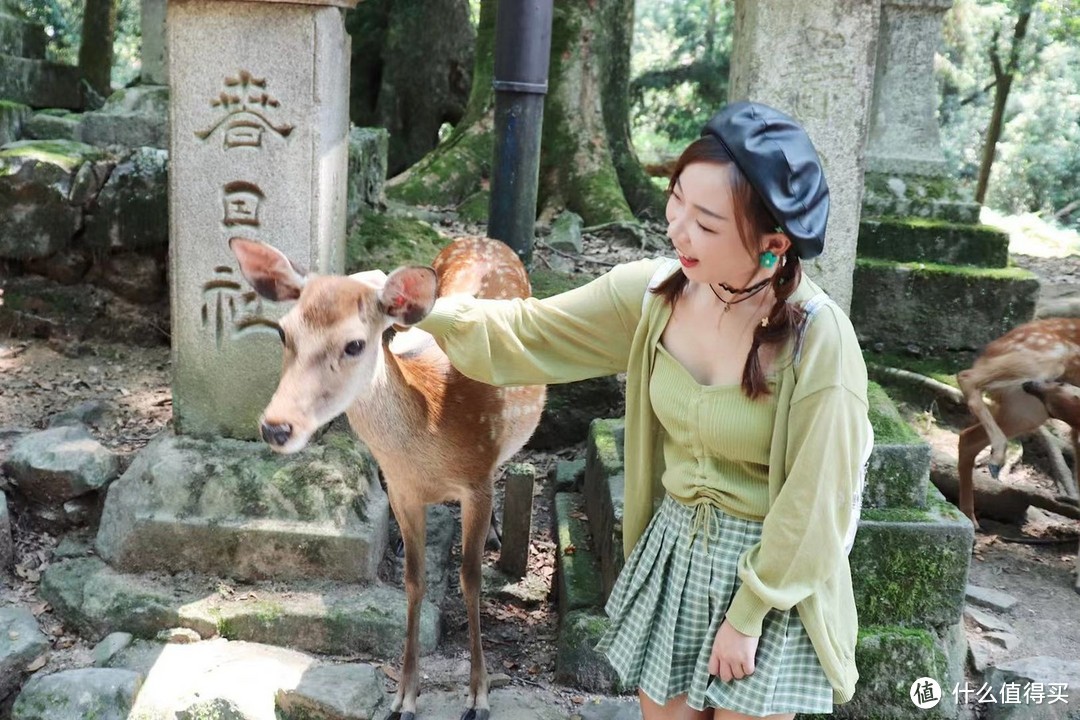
(896, 514)
(475, 207)
(929, 240)
(451, 172)
(67, 154)
(546, 283)
(386, 242)
(942, 369)
(959, 271)
(889, 427)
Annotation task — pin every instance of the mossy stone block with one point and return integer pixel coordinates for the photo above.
(12, 118)
(571, 407)
(386, 242)
(920, 240)
(899, 469)
(368, 154)
(546, 283)
(578, 567)
(604, 489)
(569, 475)
(937, 309)
(577, 663)
(909, 567)
(44, 125)
(890, 659)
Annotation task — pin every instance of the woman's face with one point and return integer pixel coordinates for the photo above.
(702, 227)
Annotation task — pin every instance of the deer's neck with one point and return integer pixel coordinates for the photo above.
(403, 396)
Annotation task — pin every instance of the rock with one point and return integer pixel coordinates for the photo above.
(113, 643)
(21, 642)
(7, 546)
(72, 547)
(579, 577)
(40, 199)
(41, 84)
(990, 598)
(56, 465)
(98, 693)
(568, 475)
(91, 412)
(49, 125)
(67, 267)
(570, 407)
(368, 153)
(132, 209)
(133, 276)
(529, 590)
(131, 117)
(576, 662)
(13, 117)
(610, 709)
(986, 621)
(980, 654)
(178, 636)
(1006, 639)
(566, 233)
(237, 509)
(512, 703)
(216, 709)
(896, 186)
(1051, 674)
(82, 511)
(337, 692)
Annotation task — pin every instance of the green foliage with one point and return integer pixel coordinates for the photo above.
(680, 63)
(62, 20)
(1037, 167)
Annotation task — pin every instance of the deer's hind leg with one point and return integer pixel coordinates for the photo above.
(411, 516)
(475, 516)
(1015, 413)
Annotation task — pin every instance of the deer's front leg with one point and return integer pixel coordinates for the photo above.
(475, 515)
(411, 519)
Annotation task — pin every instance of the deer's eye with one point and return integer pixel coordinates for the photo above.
(281, 333)
(354, 348)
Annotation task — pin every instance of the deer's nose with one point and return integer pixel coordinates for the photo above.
(275, 434)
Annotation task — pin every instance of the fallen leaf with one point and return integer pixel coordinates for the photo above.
(569, 550)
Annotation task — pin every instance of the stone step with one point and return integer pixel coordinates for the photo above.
(937, 309)
(905, 195)
(578, 568)
(325, 617)
(41, 84)
(132, 117)
(19, 38)
(891, 658)
(603, 488)
(931, 241)
(576, 661)
(909, 567)
(236, 509)
(898, 473)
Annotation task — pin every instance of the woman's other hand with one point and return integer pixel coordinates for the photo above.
(733, 654)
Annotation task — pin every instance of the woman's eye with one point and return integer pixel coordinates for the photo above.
(708, 230)
(354, 348)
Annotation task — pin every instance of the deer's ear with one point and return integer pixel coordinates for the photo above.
(409, 294)
(269, 271)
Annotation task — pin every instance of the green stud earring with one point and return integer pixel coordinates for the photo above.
(768, 259)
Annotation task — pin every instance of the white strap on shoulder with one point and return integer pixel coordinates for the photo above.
(662, 273)
(810, 307)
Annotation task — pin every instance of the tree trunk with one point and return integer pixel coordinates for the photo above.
(411, 74)
(1003, 84)
(644, 197)
(578, 157)
(96, 48)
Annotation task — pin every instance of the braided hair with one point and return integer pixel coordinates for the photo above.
(753, 220)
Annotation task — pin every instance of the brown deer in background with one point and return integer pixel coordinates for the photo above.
(437, 435)
(1036, 352)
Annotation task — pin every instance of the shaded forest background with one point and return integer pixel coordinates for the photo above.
(1006, 69)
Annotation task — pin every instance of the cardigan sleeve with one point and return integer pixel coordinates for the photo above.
(585, 332)
(803, 535)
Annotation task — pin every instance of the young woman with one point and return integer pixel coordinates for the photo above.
(746, 429)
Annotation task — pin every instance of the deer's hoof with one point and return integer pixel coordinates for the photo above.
(995, 470)
(398, 715)
(476, 714)
(399, 551)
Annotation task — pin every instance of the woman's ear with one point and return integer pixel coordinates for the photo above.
(777, 243)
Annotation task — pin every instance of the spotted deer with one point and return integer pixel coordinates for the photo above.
(437, 435)
(1036, 352)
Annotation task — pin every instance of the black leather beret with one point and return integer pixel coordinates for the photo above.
(776, 156)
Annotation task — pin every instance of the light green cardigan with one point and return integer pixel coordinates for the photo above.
(818, 445)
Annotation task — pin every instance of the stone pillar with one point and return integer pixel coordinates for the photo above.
(905, 165)
(155, 58)
(258, 148)
(815, 61)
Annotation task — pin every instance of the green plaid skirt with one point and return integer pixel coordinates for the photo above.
(667, 606)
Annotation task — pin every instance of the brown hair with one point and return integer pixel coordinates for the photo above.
(753, 220)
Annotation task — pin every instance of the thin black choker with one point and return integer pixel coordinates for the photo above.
(747, 292)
